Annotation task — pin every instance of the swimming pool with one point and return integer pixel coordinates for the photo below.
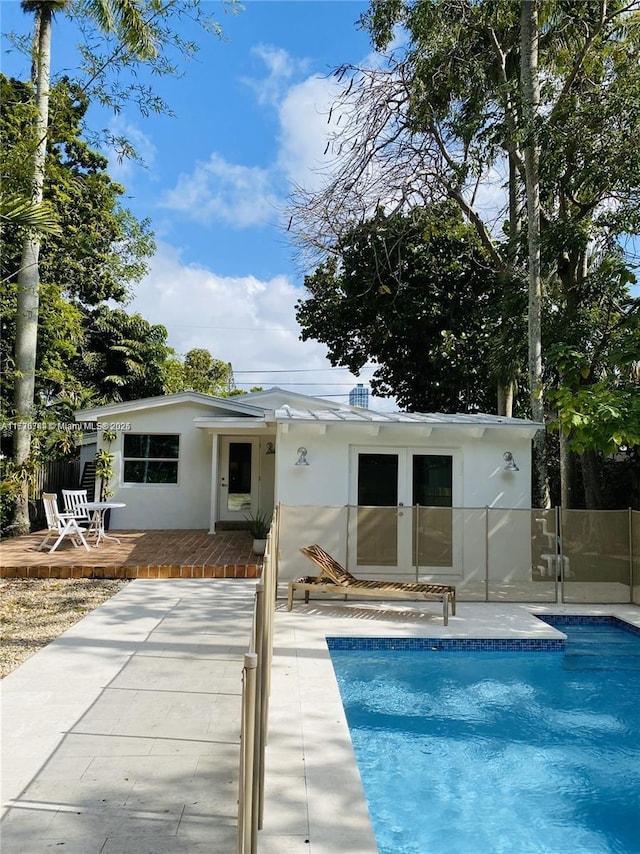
(491, 752)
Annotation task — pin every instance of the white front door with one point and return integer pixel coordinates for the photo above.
(238, 488)
(403, 517)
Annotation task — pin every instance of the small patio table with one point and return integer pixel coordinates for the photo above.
(99, 508)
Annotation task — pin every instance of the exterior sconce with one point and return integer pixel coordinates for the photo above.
(302, 457)
(510, 462)
(270, 449)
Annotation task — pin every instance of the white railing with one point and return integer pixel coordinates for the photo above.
(256, 684)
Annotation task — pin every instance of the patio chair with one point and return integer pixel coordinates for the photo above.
(75, 504)
(334, 578)
(62, 524)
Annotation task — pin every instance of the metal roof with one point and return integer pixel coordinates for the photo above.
(369, 416)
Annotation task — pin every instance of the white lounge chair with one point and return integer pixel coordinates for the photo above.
(62, 524)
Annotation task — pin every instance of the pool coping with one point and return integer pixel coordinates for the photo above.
(314, 799)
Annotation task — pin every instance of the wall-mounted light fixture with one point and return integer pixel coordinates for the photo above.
(270, 449)
(302, 457)
(510, 462)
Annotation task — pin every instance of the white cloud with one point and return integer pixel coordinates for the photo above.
(221, 191)
(304, 122)
(242, 320)
(243, 196)
(281, 68)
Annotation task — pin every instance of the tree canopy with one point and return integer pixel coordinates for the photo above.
(198, 371)
(413, 293)
(97, 254)
(453, 114)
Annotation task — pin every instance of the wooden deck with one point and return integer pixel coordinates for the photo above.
(140, 554)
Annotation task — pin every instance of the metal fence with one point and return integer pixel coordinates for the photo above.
(256, 683)
(490, 554)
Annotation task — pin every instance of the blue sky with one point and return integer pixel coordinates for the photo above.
(251, 117)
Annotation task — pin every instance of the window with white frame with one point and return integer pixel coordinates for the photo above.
(151, 458)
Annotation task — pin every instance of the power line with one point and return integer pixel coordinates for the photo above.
(324, 385)
(236, 328)
(294, 370)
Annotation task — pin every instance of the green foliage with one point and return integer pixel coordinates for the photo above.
(415, 295)
(599, 417)
(198, 371)
(104, 465)
(123, 355)
(259, 525)
(464, 112)
(60, 337)
(98, 249)
(20, 211)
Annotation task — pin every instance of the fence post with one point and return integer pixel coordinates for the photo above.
(264, 686)
(631, 579)
(416, 523)
(559, 567)
(486, 553)
(246, 810)
(258, 722)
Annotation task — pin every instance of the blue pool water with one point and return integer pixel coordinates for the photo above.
(498, 752)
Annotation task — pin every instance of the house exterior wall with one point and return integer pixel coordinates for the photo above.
(328, 482)
(479, 475)
(165, 506)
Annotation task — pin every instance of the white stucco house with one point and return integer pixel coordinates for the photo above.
(189, 460)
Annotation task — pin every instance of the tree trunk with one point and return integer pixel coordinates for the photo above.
(505, 399)
(506, 390)
(567, 475)
(28, 291)
(591, 474)
(530, 103)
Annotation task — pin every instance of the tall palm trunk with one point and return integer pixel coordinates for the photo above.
(28, 296)
(507, 382)
(529, 33)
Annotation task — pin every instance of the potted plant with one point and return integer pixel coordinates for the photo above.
(259, 524)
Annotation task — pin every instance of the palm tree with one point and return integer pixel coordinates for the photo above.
(123, 18)
(20, 210)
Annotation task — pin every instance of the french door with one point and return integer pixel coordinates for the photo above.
(403, 517)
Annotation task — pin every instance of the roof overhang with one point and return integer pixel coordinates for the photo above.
(224, 404)
(235, 425)
(472, 426)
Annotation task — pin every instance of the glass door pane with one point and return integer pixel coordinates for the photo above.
(239, 496)
(432, 480)
(377, 537)
(378, 480)
(433, 491)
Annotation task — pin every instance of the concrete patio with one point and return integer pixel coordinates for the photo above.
(140, 554)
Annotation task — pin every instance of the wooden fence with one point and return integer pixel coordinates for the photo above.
(51, 477)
